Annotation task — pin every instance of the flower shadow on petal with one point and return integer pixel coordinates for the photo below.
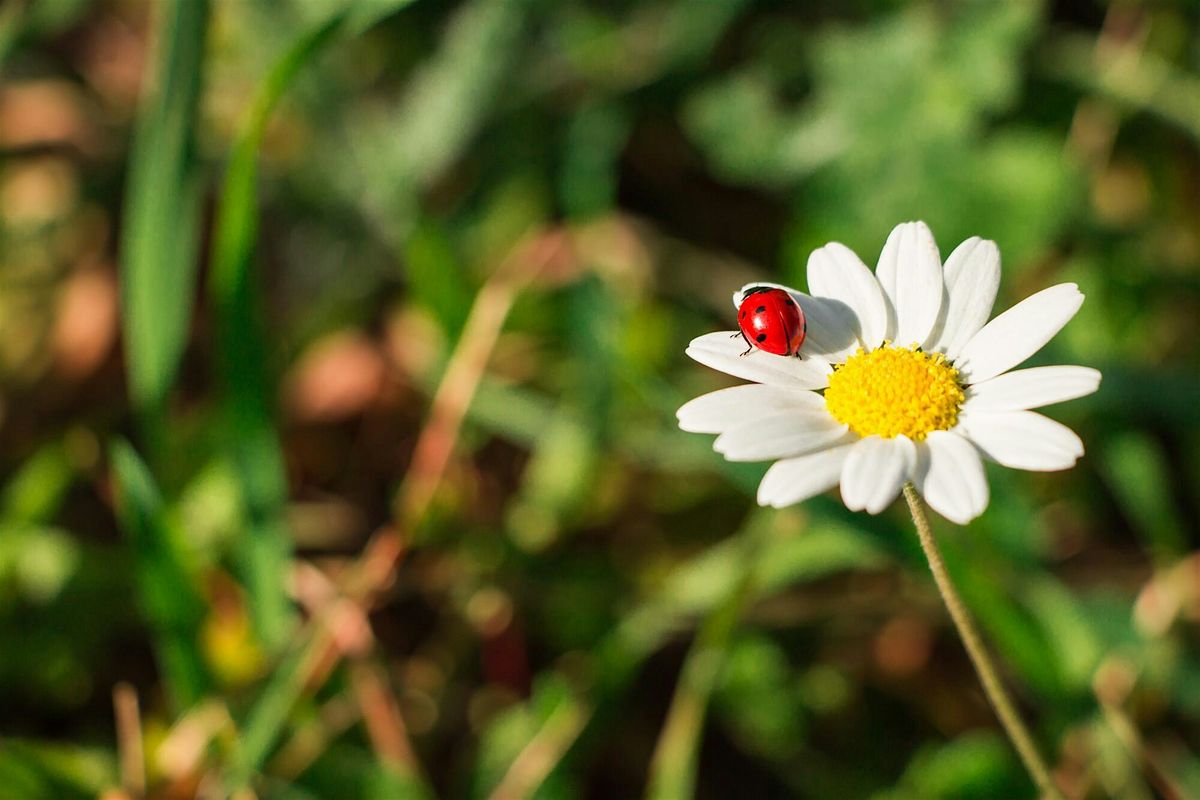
(834, 330)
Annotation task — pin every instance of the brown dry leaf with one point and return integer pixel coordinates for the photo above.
(43, 112)
(38, 191)
(113, 59)
(85, 327)
(903, 646)
(338, 377)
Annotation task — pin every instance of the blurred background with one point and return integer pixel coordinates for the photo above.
(340, 345)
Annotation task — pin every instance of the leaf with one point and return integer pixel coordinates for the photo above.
(436, 277)
(159, 238)
(760, 699)
(1066, 623)
(35, 493)
(389, 783)
(11, 21)
(32, 770)
(264, 548)
(169, 597)
(443, 108)
(546, 724)
(972, 766)
(596, 137)
(787, 558)
(677, 753)
(1139, 474)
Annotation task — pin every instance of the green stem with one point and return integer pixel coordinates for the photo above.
(973, 642)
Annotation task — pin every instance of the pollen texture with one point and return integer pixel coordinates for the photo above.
(894, 390)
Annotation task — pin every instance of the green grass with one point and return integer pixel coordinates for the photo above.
(591, 604)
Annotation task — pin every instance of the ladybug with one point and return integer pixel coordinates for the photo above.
(769, 319)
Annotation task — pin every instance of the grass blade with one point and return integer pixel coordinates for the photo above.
(264, 549)
(170, 600)
(676, 756)
(11, 17)
(158, 246)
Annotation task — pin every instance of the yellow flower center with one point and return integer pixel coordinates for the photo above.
(895, 390)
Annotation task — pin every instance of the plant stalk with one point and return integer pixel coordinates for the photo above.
(985, 667)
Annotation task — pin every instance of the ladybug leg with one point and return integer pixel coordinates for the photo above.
(749, 345)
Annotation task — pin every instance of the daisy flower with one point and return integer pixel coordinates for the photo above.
(901, 377)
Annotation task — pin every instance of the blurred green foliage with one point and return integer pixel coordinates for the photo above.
(240, 243)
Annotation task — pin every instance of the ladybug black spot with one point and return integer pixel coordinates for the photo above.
(743, 315)
(790, 302)
(762, 337)
(760, 309)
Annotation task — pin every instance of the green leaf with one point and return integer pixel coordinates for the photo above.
(972, 766)
(31, 770)
(34, 494)
(1139, 475)
(760, 700)
(787, 558)
(1077, 646)
(443, 108)
(158, 250)
(11, 22)
(170, 599)
(676, 756)
(436, 277)
(389, 783)
(596, 137)
(554, 713)
(263, 550)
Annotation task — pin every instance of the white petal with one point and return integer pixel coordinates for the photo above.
(791, 433)
(972, 277)
(832, 327)
(836, 273)
(1022, 439)
(796, 479)
(1018, 333)
(875, 470)
(723, 351)
(717, 412)
(951, 477)
(910, 272)
(1031, 388)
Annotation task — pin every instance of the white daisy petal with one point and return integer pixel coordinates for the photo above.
(874, 471)
(951, 477)
(1032, 388)
(717, 412)
(1018, 333)
(835, 272)
(832, 329)
(791, 433)
(910, 272)
(796, 479)
(972, 277)
(1022, 439)
(723, 351)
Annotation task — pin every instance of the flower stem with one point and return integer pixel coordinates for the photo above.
(989, 676)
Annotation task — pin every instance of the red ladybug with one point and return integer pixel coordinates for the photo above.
(770, 320)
